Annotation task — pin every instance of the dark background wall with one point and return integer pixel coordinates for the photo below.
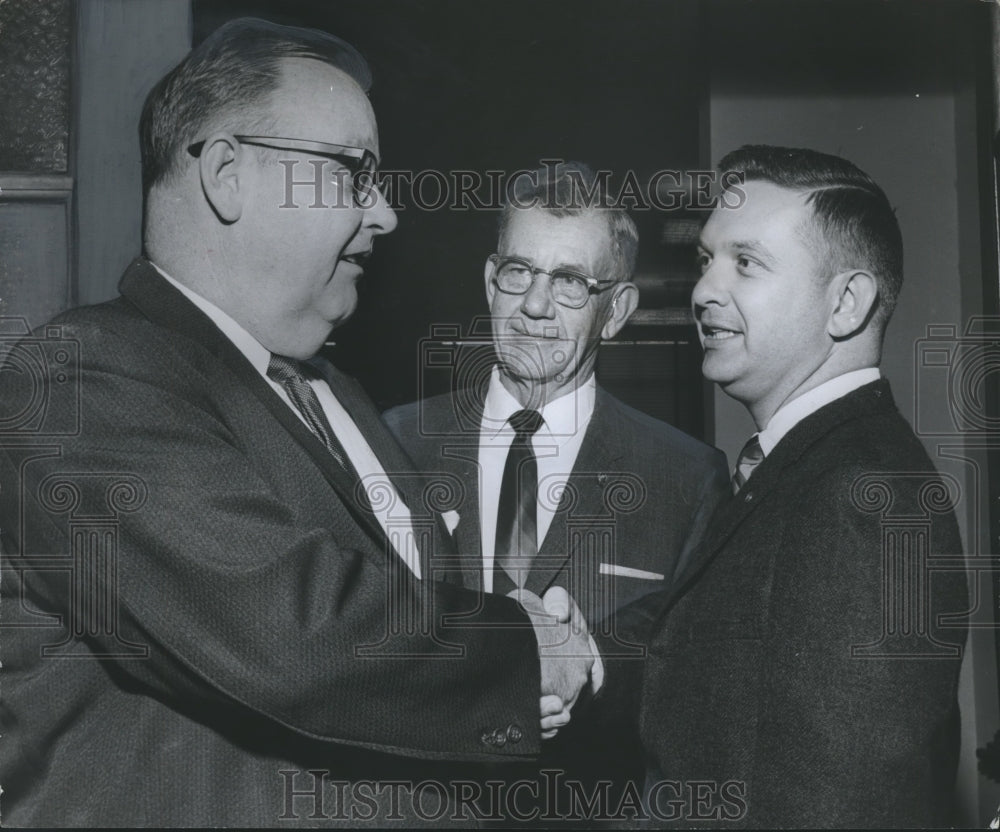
(500, 86)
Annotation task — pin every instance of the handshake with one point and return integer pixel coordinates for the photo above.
(566, 652)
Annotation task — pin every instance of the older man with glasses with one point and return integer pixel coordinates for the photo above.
(219, 598)
(565, 485)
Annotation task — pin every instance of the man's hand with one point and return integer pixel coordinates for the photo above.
(555, 715)
(564, 650)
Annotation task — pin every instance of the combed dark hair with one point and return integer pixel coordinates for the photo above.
(229, 74)
(569, 189)
(852, 214)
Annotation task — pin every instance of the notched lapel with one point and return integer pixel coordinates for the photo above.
(144, 287)
(397, 465)
(729, 516)
(456, 454)
(342, 481)
(587, 494)
(768, 476)
(462, 460)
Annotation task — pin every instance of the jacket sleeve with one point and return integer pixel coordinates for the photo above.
(238, 595)
(714, 487)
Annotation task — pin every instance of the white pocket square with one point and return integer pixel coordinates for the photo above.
(629, 572)
(451, 519)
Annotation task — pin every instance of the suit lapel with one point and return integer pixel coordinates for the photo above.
(144, 287)
(599, 458)
(363, 413)
(394, 462)
(468, 537)
(768, 476)
(460, 457)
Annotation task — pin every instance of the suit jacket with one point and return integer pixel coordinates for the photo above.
(801, 668)
(195, 602)
(639, 497)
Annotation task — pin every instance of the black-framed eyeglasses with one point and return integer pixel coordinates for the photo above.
(360, 162)
(514, 276)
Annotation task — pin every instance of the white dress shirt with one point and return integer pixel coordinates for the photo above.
(556, 445)
(392, 515)
(790, 414)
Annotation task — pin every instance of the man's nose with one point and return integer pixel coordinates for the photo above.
(709, 288)
(537, 302)
(379, 216)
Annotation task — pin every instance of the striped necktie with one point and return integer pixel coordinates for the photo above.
(750, 457)
(289, 374)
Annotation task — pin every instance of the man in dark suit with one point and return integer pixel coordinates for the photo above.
(617, 498)
(805, 668)
(220, 606)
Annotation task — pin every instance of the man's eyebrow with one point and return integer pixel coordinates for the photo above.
(572, 266)
(752, 247)
(746, 245)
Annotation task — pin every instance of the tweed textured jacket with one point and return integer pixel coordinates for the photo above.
(805, 667)
(197, 611)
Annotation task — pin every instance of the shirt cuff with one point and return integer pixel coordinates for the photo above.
(597, 671)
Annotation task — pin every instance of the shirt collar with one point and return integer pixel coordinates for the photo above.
(790, 414)
(255, 352)
(564, 416)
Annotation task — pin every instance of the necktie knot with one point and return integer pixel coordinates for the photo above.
(290, 374)
(283, 369)
(526, 423)
(750, 457)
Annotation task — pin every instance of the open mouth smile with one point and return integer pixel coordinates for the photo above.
(359, 258)
(714, 332)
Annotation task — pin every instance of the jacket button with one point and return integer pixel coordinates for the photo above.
(514, 733)
(499, 738)
(486, 736)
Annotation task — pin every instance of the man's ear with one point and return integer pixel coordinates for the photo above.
(854, 297)
(218, 167)
(491, 287)
(623, 304)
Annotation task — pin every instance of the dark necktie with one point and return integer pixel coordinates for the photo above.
(750, 457)
(288, 373)
(517, 528)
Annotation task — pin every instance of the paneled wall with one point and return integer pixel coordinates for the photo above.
(73, 76)
(36, 182)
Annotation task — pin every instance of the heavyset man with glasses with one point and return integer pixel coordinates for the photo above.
(618, 497)
(260, 624)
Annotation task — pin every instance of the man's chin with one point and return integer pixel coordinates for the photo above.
(529, 365)
(339, 315)
(310, 339)
(532, 391)
(718, 371)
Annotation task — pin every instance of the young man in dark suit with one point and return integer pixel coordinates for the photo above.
(614, 498)
(218, 601)
(803, 668)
